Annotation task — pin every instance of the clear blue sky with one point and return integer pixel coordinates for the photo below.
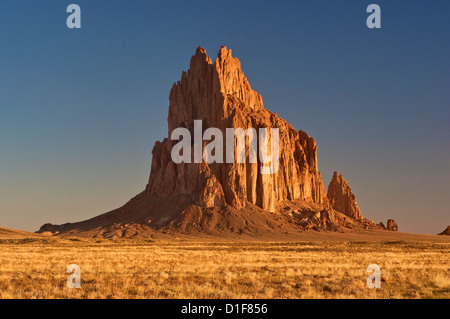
(80, 110)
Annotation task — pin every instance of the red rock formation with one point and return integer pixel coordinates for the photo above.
(227, 198)
(391, 225)
(220, 95)
(342, 198)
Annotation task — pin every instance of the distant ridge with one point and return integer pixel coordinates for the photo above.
(7, 233)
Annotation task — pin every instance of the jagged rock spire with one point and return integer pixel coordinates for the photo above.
(342, 198)
(220, 95)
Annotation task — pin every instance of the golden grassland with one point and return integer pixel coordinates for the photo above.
(36, 268)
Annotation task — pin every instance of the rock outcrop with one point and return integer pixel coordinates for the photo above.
(342, 198)
(446, 231)
(199, 196)
(391, 225)
(220, 96)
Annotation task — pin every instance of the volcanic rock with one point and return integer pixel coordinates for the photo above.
(446, 231)
(392, 225)
(342, 198)
(197, 197)
(220, 95)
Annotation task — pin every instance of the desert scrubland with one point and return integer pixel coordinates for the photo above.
(182, 268)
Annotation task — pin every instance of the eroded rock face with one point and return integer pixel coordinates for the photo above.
(392, 225)
(220, 95)
(227, 198)
(342, 198)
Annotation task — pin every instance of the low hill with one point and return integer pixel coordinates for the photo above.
(7, 233)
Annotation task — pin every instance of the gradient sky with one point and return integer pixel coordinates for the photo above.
(80, 110)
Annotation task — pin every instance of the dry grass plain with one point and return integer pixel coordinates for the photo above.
(36, 268)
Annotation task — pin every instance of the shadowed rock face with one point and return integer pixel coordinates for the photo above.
(446, 231)
(220, 95)
(391, 225)
(342, 198)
